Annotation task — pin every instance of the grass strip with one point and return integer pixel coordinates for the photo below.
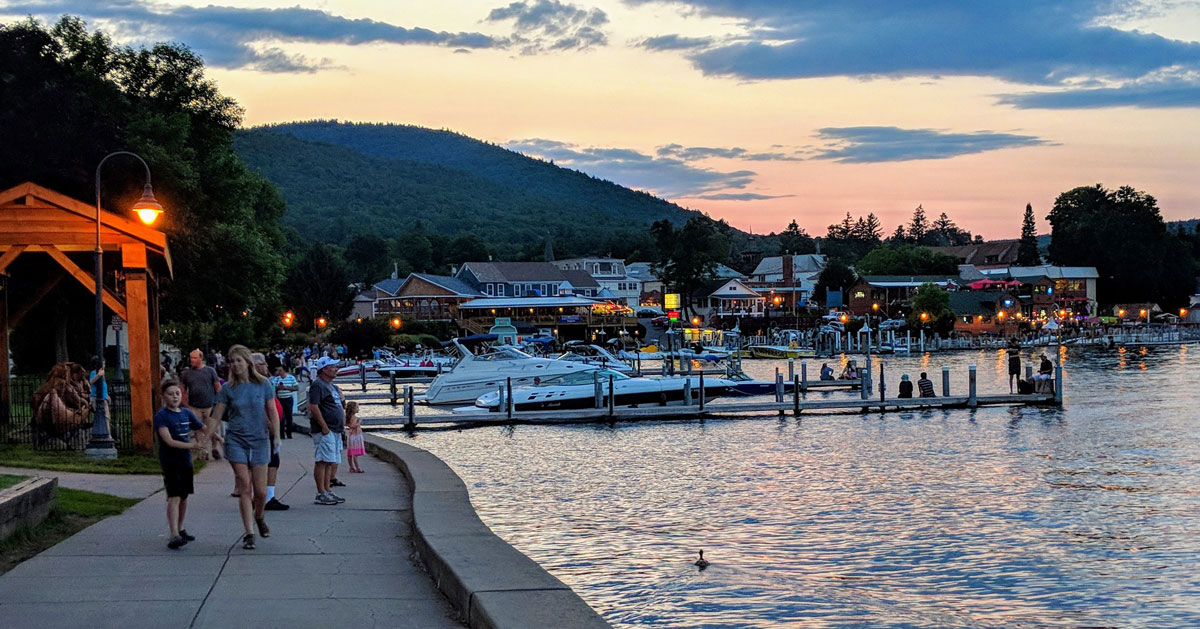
(8, 480)
(75, 510)
(23, 455)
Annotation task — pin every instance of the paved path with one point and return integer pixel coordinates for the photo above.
(326, 566)
(124, 485)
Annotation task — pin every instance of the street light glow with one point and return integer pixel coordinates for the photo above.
(396, 322)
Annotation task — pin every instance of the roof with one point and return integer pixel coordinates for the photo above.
(1004, 252)
(975, 302)
(365, 296)
(891, 281)
(452, 284)
(804, 263)
(640, 271)
(526, 302)
(391, 285)
(515, 272)
(969, 272)
(580, 279)
(734, 288)
(1050, 271)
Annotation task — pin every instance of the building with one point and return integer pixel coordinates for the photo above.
(420, 296)
(787, 282)
(893, 293)
(610, 274)
(729, 298)
(652, 288)
(994, 254)
(1071, 288)
(981, 312)
(567, 317)
(514, 279)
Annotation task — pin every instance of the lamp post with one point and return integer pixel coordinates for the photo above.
(101, 445)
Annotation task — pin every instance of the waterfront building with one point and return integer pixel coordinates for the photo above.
(566, 317)
(610, 274)
(981, 312)
(420, 296)
(732, 299)
(993, 254)
(514, 279)
(1070, 288)
(787, 282)
(894, 293)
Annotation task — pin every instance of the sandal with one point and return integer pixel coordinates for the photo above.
(248, 541)
(263, 531)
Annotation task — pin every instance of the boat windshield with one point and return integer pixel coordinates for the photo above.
(504, 353)
(580, 378)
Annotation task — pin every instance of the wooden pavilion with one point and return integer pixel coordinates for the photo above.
(37, 221)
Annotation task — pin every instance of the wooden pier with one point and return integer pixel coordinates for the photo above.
(782, 405)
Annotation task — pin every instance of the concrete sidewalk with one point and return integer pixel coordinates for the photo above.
(123, 485)
(347, 565)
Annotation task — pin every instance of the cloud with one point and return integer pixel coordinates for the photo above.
(232, 37)
(666, 176)
(694, 153)
(1022, 41)
(544, 25)
(675, 42)
(742, 196)
(1146, 95)
(857, 145)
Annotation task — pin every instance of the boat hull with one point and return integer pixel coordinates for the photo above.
(777, 351)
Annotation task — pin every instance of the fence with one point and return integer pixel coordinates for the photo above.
(63, 424)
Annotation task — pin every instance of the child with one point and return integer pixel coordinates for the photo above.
(355, 434)
(173, 425)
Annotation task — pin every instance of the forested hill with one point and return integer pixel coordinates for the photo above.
(341, 179)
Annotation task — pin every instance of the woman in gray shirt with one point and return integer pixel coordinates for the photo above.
(248, 399)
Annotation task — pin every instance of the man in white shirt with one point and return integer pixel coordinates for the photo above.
(286, 387)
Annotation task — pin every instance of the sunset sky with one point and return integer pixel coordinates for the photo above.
(755, 111)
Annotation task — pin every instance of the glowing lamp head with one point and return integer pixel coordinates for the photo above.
(924, 316)
(875, 307)
(695, 320)
(1121, 312)
(1183, 312)
(396, 322)
(147, 208)
(1062, 313)
(844, 318)
(1000, 315)
(1142, 312)
(321, 322)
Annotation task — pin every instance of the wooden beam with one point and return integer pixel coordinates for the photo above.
(88, 281)
(8, 257)
(15, 319)
(141, 380)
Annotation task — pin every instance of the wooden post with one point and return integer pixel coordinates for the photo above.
(1058, 384)
(393, 386)
(362, 374)
(945, 381)
(882, 385)
(612, 397)
(796, 396)
(791, 369)
(778, 386)
(687, 391)
(701, 390)
(922, 340)
(803, 376)
(972, 398)
(509, 405)
(863, 389)
(596, 396)
(141, 381)
(410, 408)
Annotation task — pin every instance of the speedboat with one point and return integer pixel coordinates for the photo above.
(414, 365)
(784, 344)
(577, 351)
(475, 375)
(578, 390)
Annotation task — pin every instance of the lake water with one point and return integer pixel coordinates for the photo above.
(1084, 515)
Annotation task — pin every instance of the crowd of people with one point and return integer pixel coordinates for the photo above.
(234, 408)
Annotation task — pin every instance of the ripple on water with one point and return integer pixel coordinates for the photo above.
(1084, 515)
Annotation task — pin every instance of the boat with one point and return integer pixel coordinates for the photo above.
(475, 375)
(784, 344)
(414, 365)
(578, 390)
(578, 351)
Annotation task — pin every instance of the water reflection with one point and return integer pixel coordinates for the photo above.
(1083, 515)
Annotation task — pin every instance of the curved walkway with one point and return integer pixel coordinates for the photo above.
(349, 565)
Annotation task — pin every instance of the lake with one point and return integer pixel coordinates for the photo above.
(1084, 515)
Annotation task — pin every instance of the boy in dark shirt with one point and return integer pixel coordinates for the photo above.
(173, 424)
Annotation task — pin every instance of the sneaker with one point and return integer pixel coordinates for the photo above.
(176, 543)
(324, 499)
(185, 536)
(274, 505)
(339, 500)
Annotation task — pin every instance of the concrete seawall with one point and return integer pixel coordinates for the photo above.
(491, 583)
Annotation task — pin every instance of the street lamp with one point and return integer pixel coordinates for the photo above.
(101, 445)
(321, 323)
(396, 322)
(1144, 314)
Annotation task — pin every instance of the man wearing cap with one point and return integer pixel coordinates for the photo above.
(201, 384)
(327, 419)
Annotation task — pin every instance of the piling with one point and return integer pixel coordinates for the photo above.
(362, 374)
(687, 392)
(778, 386)
(796, 396)
(863, 389)
(410, 409)
(597, 402)
(803, 376)
(1058, 385)
(882, 385)
(612, 397)
(972, 398)
(702, 390)
(945, 381)
(791, 369)
(393, 379)
(509, 406)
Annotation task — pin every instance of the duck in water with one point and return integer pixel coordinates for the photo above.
(702, 563)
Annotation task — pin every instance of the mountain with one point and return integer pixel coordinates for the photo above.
(342, 179)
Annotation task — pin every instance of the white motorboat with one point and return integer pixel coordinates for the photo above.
(475, 375)
(577, 351)
(578, 390)
(414, 365)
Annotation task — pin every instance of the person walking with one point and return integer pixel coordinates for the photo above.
(252, 435)
(286, 387)
(200, 387)
(925, 386)
(272, 503)
(173, 425)
(326, 421)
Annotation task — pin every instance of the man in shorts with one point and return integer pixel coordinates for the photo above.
(200, 385)
(273, 503)
(327, 420)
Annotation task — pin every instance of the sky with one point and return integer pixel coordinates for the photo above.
(754, 111)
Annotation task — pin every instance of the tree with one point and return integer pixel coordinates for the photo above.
(688, 256)
(366, 255)
(836, 276)
(1027, 251)
(918, 226)
(933, 302)
(318, 285)
(467, 248)
(906, 260)
(852, 239)
(1123, 235)
(946, 234)
(795, 241)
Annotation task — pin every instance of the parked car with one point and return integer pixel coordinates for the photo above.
(643, 313)
(892, 324)
(660, 322)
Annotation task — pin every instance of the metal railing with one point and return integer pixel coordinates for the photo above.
(60, 422)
